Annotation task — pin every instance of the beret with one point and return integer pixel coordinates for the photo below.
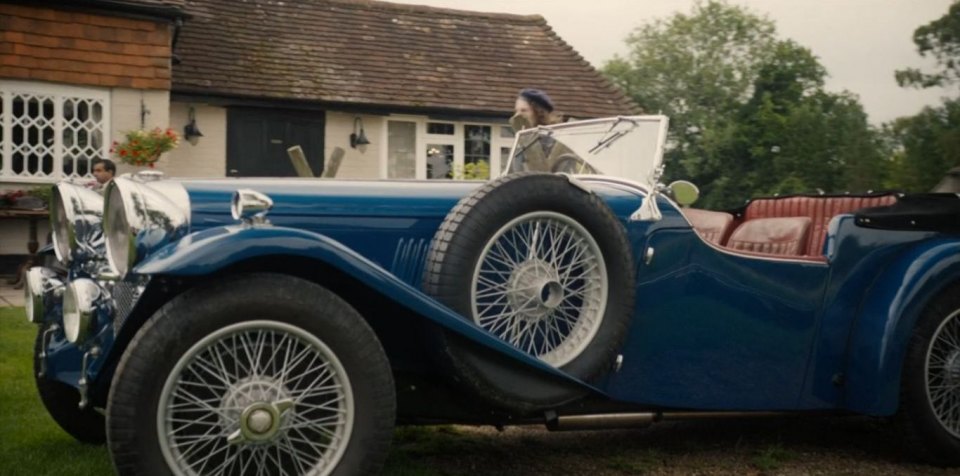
(538, 97)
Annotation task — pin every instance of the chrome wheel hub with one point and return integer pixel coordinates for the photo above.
(246, 393)
(260, 422)
(541, 285)
(534, 289)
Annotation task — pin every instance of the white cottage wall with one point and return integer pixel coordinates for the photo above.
(208, 158)
(357, 163)
(126, 107)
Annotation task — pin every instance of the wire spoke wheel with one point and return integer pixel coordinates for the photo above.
(544, 265)
(257, 397)
(943, 374)
(541, 285)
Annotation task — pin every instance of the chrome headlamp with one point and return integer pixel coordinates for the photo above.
(76, 214)
(42, 285)
(79, 309)
(141, 217)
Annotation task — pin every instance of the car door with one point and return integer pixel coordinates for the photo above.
(714, 329)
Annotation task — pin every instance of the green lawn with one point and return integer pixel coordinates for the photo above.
(30, 442)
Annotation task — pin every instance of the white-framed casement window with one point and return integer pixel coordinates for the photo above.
(423, 148)
(51, 132)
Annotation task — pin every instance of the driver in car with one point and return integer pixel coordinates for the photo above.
(540, 153)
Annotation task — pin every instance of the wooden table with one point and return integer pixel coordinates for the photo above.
(32, 216)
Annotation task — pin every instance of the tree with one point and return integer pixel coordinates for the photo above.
(925, 146)
(941, 40)
(697, 69)
(748, 112)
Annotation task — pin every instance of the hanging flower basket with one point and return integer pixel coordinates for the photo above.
(141, 147)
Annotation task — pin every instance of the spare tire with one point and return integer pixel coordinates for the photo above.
(542, 264)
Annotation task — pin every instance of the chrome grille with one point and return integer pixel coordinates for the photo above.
(125, 295)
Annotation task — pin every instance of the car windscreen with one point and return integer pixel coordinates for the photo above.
(624, 147)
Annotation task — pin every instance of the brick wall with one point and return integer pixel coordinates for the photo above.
(45, 44)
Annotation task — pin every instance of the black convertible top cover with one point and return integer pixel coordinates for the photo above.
(922, 212)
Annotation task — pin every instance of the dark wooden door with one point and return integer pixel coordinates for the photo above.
(257, 141)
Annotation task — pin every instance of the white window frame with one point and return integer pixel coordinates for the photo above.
(59, 93)
(456, 140)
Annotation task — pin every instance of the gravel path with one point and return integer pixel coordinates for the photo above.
(790, 446)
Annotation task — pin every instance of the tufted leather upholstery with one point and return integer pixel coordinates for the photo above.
(775, 236)
(712, 226)
(819, 209)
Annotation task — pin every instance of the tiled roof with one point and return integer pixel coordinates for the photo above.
(372, 53)
(155, 3)
(168, 9)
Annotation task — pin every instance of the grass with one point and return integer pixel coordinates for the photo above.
(31, 443)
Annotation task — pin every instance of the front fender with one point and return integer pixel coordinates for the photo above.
(886, 321)
(208, 251)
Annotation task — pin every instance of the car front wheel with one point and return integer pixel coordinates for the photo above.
(259, 374)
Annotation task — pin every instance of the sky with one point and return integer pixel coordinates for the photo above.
(860, 42)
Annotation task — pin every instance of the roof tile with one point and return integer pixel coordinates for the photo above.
(375, 53)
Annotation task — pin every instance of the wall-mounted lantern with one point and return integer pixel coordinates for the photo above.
(190, 131)
(358, 139)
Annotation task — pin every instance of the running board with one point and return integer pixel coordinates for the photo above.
(556, 422)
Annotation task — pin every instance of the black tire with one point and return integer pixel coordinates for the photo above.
(925, 436)
(280, 300)
(62, 402)
(457, 247)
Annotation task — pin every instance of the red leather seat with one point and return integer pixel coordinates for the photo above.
(712, 226)
(774, 236)
(819, 209)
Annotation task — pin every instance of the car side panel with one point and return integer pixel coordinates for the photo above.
(718, 330)
(886, 320)
(859, 257)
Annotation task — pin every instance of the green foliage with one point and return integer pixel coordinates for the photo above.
(479, 170)
(941, 40)
(142, 147)
(11, 198)
(43, 193)
(748, 112)
(925, 146)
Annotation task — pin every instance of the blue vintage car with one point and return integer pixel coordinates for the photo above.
(268, 326)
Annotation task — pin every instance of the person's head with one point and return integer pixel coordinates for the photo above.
(104, 170)
(535, 106)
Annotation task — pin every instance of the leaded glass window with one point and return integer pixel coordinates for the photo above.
(48, 132)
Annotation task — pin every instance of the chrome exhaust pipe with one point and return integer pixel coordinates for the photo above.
(601, 422)
(556, 422)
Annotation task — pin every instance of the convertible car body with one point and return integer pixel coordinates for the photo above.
(270, 326)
